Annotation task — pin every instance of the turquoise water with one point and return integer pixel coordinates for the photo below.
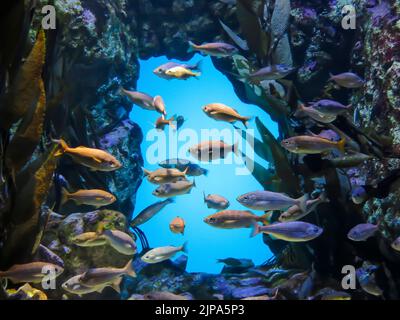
(206, 244)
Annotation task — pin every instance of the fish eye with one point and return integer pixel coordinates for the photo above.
(212, 220)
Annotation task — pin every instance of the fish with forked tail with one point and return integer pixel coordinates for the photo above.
(234, 219)
(215, 49)
(33, 272)
(95, 197)
(172, 189)
(207, 151)
(161, 70)
(95, 159)
(163, 253)
(221, 112)
(294, 231)
(312, 145)
(347, 80)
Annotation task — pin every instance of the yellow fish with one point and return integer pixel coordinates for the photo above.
(94, 197)
(181, 73)
(222, 112)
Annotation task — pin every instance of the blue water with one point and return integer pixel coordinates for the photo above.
(206, 244)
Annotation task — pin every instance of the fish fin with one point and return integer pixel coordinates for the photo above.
(146, 172)
(64, 195)
(303, 203)
(265, 218)
(100, 290)
(115, 285)
(341, 144)
(184, 248)
(255, 229)
(204, 196)
(100, 228)
(97, 160)
(205, 172)
(245, 121)
(186, 170)
(331, 76)
(192, 47)
(63, 145)
(129, 269)
(197, 75)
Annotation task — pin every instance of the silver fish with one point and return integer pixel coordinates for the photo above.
(172, 189)
(120, 241)
(274, 72)
(215, 201)
(149, 212)
(294, 231)
(163, 253)
(362, 232)
(347, 80)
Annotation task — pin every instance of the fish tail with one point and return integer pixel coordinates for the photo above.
(204, 196)
(194, 183)
(63, 147)
(331, 76)
(184, 247)
(186, 171)
(255, 229)
(146, 172)
(265, 218)
(128, 269)
(341, 144)
(205, 172)
(197, 74)
(245, 121)
(116, 285)
(122, 91)
(303, 203)
(64, 195)
(192, 47)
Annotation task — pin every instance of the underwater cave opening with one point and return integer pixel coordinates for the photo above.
(186, 98)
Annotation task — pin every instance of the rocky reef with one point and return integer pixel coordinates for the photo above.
(95, 50)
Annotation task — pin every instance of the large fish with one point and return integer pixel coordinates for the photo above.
(161, 70)
(94, 197)
(268, 200)
(33, 272)
(312, 145)
(221, 112)
(215, 201)
(99, 277)
(163, 253)
(141, 99)
(149, 212)
(73, 285)
(193, 169)
(212, 150)
(295, 231)
(172, 189)
(294, 213)
(215, 49)
(347, 80)
(95, 159)
(181, 73)
(362, 232)
(233, 219)
(120, 241)
(161, 176)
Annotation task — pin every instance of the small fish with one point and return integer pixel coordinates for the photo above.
(100, 277)
(359, 194)
(314, 114)
(267, 200)
(221, 112)
(164, 295)
(274, 72)
(94, 197)
(214, 49)
(159, 105)
(207, 151)
(215, 201)
(120, 241)
(350, 161)
(294, 231)
(89, 239)
(161, 123)
(362, 232)
(163, 253)
(367, 280)
(73, 285)
(193, 169)
(294, 213)
(33, 272)
(330, 294)
(181, 73)
(161, 70)
(149, 212)
(141, 99)
(172, 189)
(234, 219)
(312, 145)
(330, 107)
(347, 80)
(396, 244)
(95, 159)
(177, 225)
(163, 175)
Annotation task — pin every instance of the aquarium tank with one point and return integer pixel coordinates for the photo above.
(199, 150)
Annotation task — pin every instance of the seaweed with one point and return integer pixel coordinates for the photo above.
(24, 89)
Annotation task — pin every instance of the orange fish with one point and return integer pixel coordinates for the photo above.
(177, 225)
